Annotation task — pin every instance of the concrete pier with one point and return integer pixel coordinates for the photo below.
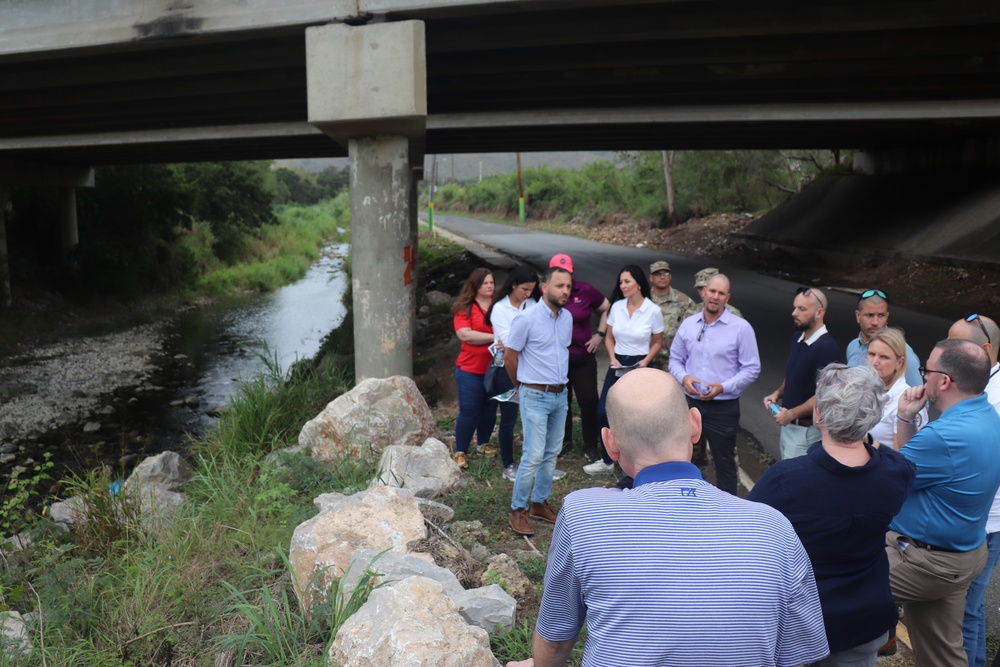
(69, 233)
(367, 90)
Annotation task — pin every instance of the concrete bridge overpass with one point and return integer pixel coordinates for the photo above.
(85, 83)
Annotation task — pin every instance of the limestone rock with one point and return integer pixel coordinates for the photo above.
(469, 533)
(438, 298)
(375, 414)
(485, 607)
(322, 547)
(503, 570)
(14, 638)
(167, 469)
(412, 623)
(435, 512)
(67, 513)
(428, 470)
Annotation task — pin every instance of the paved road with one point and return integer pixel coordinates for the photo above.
(766, 301)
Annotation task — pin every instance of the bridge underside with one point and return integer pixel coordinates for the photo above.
(528, 76)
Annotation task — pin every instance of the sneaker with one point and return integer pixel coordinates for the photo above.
(459, 458)
(598, 467)
(558, 474)
(510, 472)
(486, 450)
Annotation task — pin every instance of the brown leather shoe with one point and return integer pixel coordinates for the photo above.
(543, 511)
(459, 458)
(888, 648)
(519, 522)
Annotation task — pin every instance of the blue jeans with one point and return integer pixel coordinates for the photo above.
(610, 378)
(476, 412)
(543, 416)
(974, 623)
(508, 419)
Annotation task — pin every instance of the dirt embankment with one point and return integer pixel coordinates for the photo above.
(939, 289)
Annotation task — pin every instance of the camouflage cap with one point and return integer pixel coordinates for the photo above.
(659, 266)
(702, 277)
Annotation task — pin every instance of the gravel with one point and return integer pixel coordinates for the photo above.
(63, 383)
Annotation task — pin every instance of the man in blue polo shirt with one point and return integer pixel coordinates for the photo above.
(673, 572)
(537, 359)
(936, 545)
(812, 349)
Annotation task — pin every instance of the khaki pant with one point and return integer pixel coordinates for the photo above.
(931, 586)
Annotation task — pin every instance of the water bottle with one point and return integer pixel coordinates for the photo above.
(773, 407)
(498, 358)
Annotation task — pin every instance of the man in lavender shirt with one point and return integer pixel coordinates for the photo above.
(714, 357)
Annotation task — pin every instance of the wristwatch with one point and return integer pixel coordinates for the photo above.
(602, 334)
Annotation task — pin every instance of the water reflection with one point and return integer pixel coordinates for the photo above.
(222, 343)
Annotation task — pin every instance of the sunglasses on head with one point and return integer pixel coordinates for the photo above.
(869, 293)
(975, 317)
(807, 291)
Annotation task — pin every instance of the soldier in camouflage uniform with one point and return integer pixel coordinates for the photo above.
(700, 281)
(674, 304)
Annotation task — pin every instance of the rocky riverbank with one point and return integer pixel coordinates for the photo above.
(56, 385)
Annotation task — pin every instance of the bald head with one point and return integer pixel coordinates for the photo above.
(986, 336)
(719, 282)
(649, 418)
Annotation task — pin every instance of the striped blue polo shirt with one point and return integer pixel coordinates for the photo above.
(675, 572)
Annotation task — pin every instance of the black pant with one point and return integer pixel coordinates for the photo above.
(720, 422)
(583, 381)
(609, 381)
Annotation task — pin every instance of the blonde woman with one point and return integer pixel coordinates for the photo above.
(887, 354)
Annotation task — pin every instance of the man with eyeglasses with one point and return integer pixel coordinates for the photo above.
(812, 349)
(714, 356)
(936, 545)
(873, 316)
(982, 331)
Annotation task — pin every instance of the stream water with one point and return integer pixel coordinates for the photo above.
(208, 351)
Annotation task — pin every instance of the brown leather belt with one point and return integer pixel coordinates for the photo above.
(929, 547)
(802, 421)
(549, 388)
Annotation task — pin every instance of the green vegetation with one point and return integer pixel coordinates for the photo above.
(705, 182)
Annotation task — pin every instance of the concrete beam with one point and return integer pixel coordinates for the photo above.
(16, 172)
(366, 81)
(54, 25)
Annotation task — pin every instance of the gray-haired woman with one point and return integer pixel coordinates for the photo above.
(840, 498)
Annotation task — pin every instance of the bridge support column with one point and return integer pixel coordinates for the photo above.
(367, 89)
(382, 257)
(69, 234)
(6, 298)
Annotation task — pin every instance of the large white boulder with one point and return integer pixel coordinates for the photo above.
(375, 414)
(412, 623)
(428, 470)
(321, 549)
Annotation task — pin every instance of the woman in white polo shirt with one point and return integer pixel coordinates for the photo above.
(633, 339)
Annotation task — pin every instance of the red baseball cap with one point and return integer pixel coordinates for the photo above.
(561, 261)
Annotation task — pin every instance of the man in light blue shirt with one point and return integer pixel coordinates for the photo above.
(714, 356)
(536, 357)
(873, 316)
(936, 545)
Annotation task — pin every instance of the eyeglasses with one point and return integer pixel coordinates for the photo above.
(869, 293)
(805, 291)
(973, 316)
(924, 371)
(704, 325)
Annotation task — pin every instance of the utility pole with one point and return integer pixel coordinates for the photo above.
(430, 193)
(668, 176)
(520, 188)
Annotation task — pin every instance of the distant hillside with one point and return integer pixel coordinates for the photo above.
(470, 167)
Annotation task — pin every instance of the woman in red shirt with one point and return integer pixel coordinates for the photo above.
(476, 412)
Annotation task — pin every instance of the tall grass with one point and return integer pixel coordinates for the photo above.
(276, 254)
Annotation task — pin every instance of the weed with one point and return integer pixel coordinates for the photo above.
(20, 493)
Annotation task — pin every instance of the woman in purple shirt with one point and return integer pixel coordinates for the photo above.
(584, 300)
